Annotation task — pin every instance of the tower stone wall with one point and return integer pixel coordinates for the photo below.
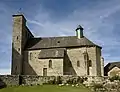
(20, 35)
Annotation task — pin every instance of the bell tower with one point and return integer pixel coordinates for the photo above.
(79, 32)
(18, 43)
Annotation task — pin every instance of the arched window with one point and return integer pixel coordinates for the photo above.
(78, 63)
(50, 63)
(90, 63)
(18, 49)
(17, 37)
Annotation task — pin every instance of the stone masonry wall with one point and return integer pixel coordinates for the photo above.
(39, 80)
(34, 66)
(8, 80)
(92, 56)
(18, 22)
(20, 35)
(76, 54)
(36, 80)
(98, 61)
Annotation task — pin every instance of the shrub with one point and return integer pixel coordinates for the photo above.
(114, 78)
(97, 86)
(51, 81)
(69, 81)
(75, 80)
(111, 86)
(85, 79)
(72, 81)
(58, 80)
(80, 80)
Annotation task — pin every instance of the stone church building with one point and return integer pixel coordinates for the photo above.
(53, 56)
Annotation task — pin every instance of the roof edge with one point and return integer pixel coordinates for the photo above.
(63, 47)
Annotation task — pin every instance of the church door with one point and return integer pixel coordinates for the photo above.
(44, 71)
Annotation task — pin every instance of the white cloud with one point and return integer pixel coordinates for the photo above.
(35, 22)
(95, 22)
(5, 71)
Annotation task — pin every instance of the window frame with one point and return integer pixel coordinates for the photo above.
(78, 63)
(90, 63)
(50, 64)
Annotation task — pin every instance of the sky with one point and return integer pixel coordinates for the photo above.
(47, 18)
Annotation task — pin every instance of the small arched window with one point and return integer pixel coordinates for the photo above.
(78, 63)
(90, 63)
(18, 49)
(50, 63)
(17, 37)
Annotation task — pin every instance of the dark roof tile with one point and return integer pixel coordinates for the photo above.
(58, 42)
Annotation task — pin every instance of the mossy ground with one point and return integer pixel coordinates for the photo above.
(45, 88)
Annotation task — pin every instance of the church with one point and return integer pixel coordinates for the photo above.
(53, 56)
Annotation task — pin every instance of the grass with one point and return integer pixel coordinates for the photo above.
(45, 88)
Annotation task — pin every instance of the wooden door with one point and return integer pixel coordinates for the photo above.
(44, 71)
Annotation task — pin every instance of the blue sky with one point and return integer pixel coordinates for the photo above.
(100, 19)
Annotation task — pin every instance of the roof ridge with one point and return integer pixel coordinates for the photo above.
(58, 37)
(89, 40)
(92, 42)
(114, 62)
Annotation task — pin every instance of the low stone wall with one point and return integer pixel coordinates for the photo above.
(35, 80)
(97, 78)
(8, 80)
(38, 80)
(95, 82)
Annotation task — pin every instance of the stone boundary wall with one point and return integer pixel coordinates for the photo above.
(8, 80)
(35, 80)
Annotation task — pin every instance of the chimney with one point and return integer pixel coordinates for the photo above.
(79, 32)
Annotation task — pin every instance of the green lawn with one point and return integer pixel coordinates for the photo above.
(45, 88)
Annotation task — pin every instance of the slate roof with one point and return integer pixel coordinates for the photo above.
(58, 42)
(109, 66)
(52, 53)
